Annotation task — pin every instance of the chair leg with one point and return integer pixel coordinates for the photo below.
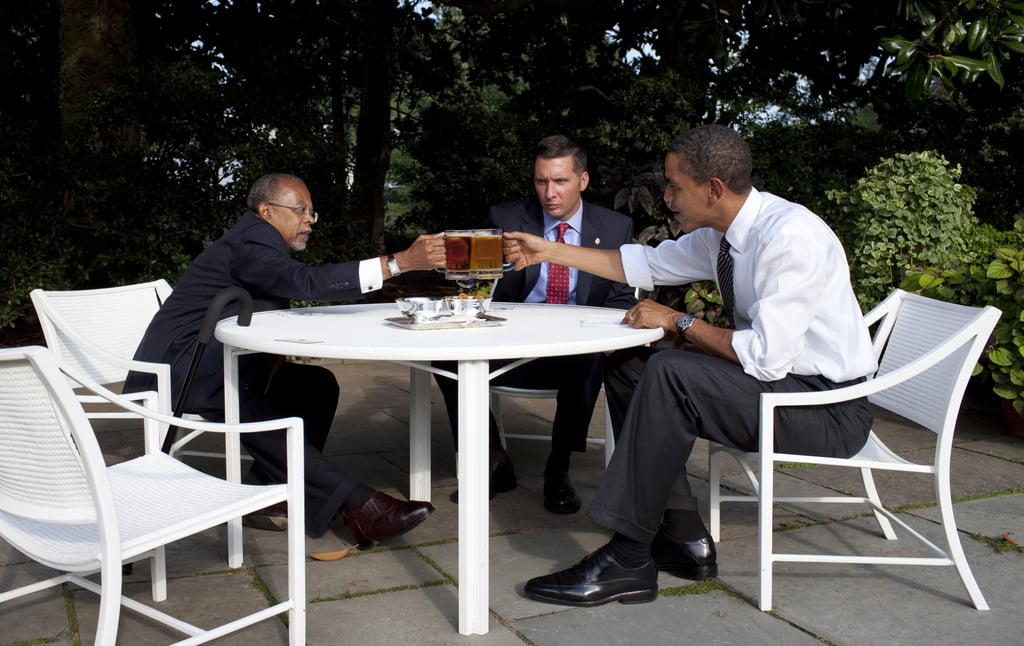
(765, 497)
(496, 413)
(158, 574)
(714, 493)
(110, 602)
(872, 493)
(609, 435)
(956, 549)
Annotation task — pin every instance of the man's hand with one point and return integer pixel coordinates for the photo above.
(427, 252)
(524, 249)
(649, 314)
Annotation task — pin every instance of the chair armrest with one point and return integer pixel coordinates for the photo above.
(195, 424)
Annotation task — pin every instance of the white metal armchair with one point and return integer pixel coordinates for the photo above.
(497, 392)
(61, 506)
(95, 332)
(927, 350)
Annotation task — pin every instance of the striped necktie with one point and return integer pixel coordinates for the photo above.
(725, 281)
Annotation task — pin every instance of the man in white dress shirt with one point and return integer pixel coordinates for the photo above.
(797, 327)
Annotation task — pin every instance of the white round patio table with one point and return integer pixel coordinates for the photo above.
(363, 332)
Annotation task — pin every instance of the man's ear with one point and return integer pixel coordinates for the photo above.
(716, 189)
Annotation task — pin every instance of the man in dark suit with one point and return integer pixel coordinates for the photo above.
(254, 254)
(560, 177)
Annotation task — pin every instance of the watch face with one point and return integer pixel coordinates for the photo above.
(684, 322)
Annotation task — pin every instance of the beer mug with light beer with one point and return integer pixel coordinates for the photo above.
(473, 254)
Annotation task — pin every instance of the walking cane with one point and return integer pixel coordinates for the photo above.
(213, 313)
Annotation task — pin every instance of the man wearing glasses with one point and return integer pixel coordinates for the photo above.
(255, 254)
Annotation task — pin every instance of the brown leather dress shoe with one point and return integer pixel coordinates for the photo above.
(382, 517)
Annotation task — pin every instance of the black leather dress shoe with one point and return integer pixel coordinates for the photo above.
(694, 560)
(559, 495)
(382, 517)
(595, 580)
(502, 479)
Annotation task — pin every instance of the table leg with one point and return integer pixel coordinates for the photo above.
(474, 497)
(232, 449)
(419, 435)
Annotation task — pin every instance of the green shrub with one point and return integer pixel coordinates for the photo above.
(996, 278)
(906, 213)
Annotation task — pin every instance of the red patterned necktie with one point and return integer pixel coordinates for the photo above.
(558, 275)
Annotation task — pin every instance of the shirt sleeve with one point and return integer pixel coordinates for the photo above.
(790, 291)
(673, 262)
(371, 278)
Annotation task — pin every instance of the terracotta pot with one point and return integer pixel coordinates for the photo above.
(1013, 420)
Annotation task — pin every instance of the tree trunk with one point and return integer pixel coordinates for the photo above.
(373, 132)
(96, 39)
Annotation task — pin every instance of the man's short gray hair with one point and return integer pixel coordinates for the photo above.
(265, 189)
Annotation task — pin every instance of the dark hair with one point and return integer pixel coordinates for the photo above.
(714, 151)
(265, 188)
(555, 146)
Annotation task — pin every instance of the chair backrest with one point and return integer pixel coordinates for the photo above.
(945, 339)
(51, 466)
(88, 328)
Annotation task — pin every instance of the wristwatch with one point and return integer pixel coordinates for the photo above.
(683, 323)
(393, 266)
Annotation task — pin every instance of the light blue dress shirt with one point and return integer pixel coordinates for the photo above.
(572, 236)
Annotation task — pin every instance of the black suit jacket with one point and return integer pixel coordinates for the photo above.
(602, 228)
(251, 255)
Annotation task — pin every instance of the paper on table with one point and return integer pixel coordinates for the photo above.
(602, 320)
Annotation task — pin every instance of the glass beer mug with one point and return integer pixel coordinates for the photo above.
(473, 254)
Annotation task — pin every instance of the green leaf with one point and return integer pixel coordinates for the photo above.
(994, 70)
(976, 34)
(965, 63)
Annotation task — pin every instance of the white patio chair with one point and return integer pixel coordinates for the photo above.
(497, 392)
(927, 350)
(61, 506)
(97, 331)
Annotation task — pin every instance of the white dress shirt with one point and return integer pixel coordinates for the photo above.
(796, 312)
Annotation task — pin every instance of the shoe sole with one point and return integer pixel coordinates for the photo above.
(691, 572)
(555, 509)
(625, 598)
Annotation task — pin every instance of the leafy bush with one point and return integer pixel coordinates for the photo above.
(996, 278)
(906, 213)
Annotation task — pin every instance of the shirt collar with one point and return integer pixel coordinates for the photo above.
(741, 225)
(575, 222)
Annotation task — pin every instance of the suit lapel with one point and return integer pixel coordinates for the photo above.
(590, 231)
(533, 222)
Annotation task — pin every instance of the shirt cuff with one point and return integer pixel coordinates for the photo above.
(371, 278)
(635, 266)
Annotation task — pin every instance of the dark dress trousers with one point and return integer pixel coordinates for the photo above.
(577, 378)
(253, 255)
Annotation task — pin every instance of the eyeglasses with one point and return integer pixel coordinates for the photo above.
(303, 211)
